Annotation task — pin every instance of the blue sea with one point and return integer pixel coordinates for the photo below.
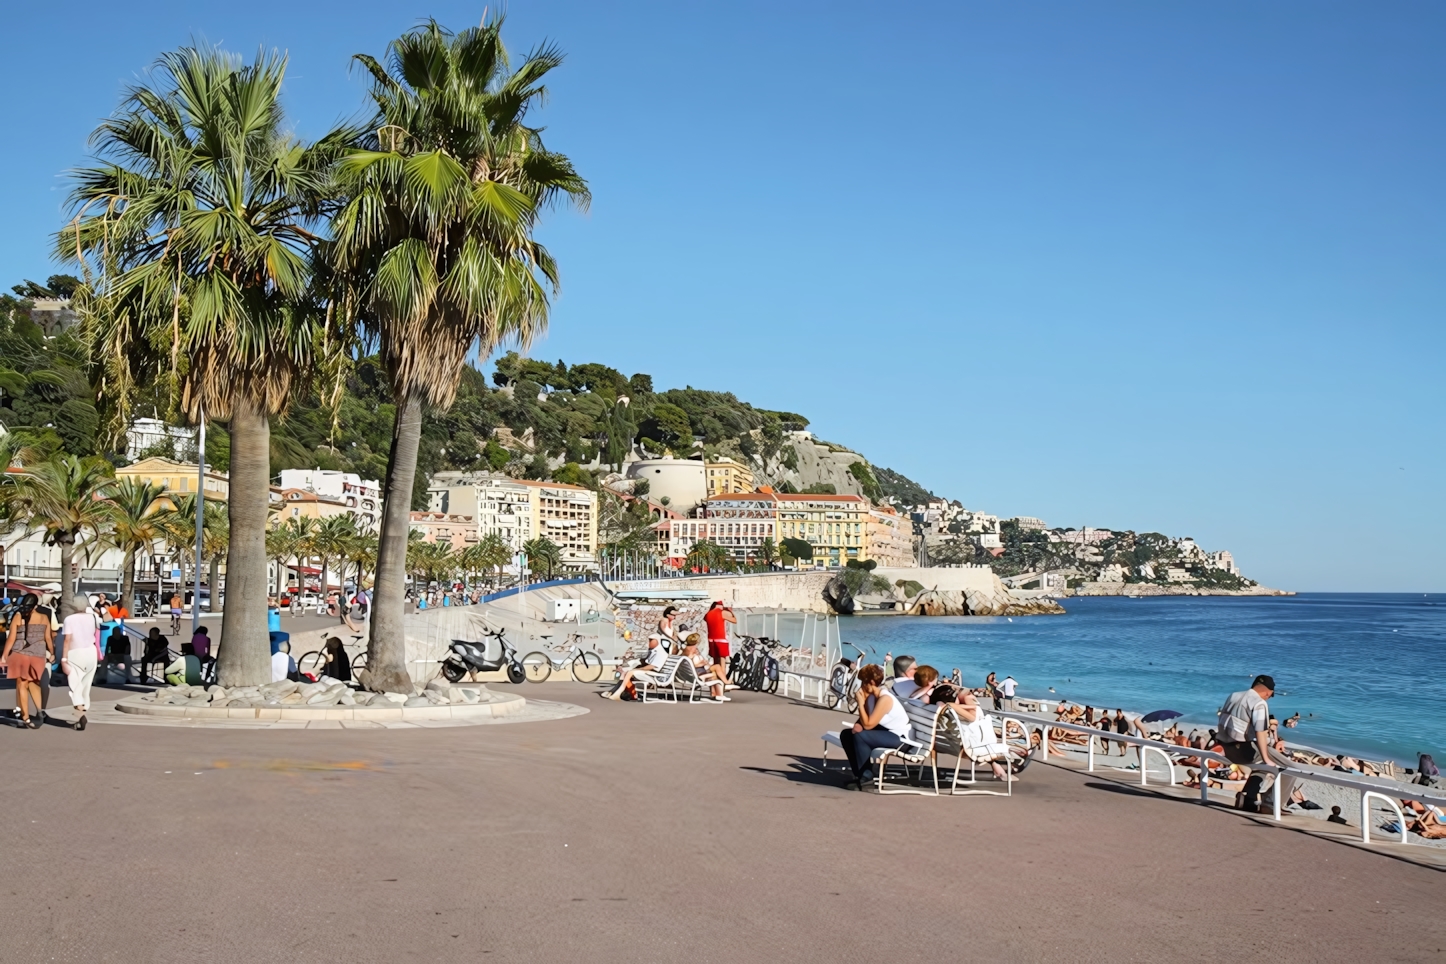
(1366, 671)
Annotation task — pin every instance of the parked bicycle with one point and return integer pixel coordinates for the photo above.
(587, 665)
(843, 681)
(755, 665)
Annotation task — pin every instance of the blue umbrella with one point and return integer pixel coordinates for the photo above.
(1160, 715)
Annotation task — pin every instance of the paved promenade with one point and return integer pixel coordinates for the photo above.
(642, 833)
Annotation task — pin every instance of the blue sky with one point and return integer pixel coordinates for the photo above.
(1117, 264)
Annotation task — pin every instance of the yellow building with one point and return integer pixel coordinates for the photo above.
(890, 538)
(725, 476)
(177, 477)
(835, 525)
(523, 509)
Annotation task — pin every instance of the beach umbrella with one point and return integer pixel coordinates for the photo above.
(1160, 715)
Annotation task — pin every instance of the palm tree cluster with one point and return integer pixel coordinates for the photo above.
(231, 263)
(80, 506)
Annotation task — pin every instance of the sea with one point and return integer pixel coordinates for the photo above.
(1365, 671)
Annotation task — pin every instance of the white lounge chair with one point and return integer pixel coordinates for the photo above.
(664, 677)
(688, 679)
(976, 742)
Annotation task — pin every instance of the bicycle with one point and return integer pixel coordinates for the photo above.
(587, 665)
(755, 665)
(843, 681)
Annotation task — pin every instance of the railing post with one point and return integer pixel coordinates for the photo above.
(1275, 791)
(1091, 741)
(1204, 780)
(1044, 743)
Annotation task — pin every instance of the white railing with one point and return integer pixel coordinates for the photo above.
(1388, 793)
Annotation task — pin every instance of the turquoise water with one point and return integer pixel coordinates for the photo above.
(1365, 671)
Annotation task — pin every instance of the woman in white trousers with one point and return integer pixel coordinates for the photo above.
(80, 656)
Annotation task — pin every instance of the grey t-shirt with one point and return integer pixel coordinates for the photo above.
(1243, 715)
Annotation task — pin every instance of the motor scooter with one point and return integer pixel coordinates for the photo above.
(468, 658)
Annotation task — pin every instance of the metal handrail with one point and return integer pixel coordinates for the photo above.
(1093, 733)
(1389, 793)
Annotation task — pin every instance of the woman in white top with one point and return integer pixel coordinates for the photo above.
(883, 722)
(81, 655)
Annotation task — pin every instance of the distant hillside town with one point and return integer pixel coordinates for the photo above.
(571, 468)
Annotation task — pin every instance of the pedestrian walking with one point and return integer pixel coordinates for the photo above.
(1243, 731)
(717, 619)
(80, 634)
(29, 651)
(991, 683)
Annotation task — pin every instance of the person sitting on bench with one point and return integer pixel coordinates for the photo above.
(882, 723)
(158, 652)
(185, 671)
(653, 661)
(282, 665)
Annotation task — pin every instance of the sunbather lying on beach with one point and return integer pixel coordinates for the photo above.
(1192, 780)
(1428, 822)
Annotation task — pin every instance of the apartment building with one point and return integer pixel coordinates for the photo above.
(726, 476)
(737, 521)
(173, 476)
(460, 531)
(835, 525)
(301, 504)
(522, 509)
(890, 537)
(363, 497)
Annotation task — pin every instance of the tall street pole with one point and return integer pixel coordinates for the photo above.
(200, 517)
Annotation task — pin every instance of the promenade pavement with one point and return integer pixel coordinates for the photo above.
(643, 833)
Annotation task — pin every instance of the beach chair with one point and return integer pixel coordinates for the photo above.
(665, 677)
(915, 750)
(687, 678)
(976, 742)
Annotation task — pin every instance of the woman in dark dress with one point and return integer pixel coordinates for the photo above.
(337, 666)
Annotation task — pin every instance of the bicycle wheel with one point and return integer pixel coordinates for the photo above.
(358, 663)
(311, 663)
(587, 667)
(537, 667)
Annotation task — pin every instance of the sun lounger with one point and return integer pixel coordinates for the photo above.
(665, 677)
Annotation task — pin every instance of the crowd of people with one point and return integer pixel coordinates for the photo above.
(711, 671)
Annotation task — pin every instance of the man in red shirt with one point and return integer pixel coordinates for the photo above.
(718, 617)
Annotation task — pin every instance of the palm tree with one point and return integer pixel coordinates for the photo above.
(136, 511)
(330, 542)
(68, 497)
(435, 247)
(542, 553)
(215, 538)
(281, 544)
(361, 551)
(767, 552)
(194, 235)
(489, 552)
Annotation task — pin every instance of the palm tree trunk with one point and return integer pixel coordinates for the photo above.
(128, 580)
(386, 650)
(67, 577)
(245, 647)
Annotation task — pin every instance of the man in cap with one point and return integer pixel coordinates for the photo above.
(1244, 736)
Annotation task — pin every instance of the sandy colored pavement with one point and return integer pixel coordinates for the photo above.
(643, 833)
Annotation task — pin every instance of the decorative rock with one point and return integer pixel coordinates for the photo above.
(279, 689)
(217, 692)
(222, 702)
(347, 699)
(291, 699)
(418, 701)
(308, 690)
(435, 698)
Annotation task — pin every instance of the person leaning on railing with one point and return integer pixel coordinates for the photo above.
(1244, 737)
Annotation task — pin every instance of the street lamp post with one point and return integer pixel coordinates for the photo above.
(200, 516)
